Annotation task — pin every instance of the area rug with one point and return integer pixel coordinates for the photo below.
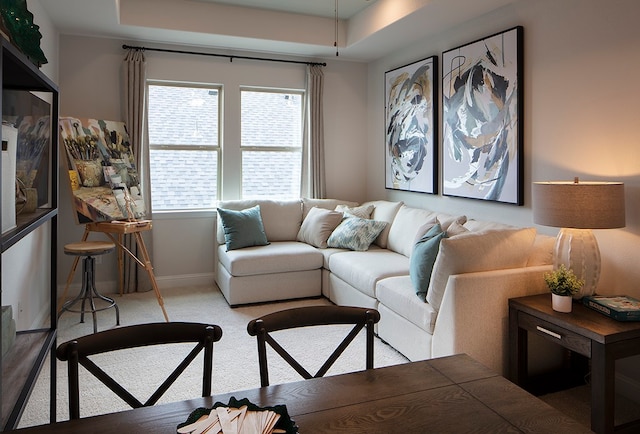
(235, 356)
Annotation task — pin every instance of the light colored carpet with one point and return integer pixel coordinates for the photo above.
(235, 356)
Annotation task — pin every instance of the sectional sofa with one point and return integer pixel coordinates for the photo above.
(307, 248)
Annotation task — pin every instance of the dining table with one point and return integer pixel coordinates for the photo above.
(454, 394)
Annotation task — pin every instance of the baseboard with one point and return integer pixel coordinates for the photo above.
(182, 280)
(164, 282)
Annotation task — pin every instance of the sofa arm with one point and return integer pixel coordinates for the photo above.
(474, 315)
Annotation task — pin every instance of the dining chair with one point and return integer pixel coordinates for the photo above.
(78, 352)
(264, 327)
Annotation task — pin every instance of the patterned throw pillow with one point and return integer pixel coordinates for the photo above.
(355, 233)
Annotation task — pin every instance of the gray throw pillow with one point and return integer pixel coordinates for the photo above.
(422, 259)
(242, 228)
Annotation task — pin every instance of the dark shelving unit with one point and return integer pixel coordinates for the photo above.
(24, 361)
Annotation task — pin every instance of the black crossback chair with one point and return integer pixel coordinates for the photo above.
(77, 352)
(312, 316)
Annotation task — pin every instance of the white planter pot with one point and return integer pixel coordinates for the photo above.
(561, 303)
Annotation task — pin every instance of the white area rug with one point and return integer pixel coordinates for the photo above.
(235, 362)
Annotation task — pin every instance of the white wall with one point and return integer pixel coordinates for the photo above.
(182, 247)
(581, 113)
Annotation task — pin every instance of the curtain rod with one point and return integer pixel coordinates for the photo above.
(229, 56)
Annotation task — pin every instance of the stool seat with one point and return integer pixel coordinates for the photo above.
(88, 293)
(89, 248)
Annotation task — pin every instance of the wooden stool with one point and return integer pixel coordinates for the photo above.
(89, 249)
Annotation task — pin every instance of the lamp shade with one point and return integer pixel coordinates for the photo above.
(580, 205)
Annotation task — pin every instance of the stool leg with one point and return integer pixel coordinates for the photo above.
(89, 293)
(109, 300)
(91, 290)
(81, 296)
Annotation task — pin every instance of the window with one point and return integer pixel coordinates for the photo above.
(188, 164)
(184, 146)
(271, 143)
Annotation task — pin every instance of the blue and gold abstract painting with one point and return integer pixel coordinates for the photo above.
(482, 112)
(411, 126)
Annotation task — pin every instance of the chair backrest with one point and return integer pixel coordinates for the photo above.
(312, 316)
(77, 352)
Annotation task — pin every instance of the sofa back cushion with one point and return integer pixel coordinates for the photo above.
(330, 204)
(384, 211)
(281, 219)
(478, 251)
(410, 224)
(405, 226)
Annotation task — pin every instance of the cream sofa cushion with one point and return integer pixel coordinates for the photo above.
(397, 294)
(362, 270)
(277, 257)
(407, 222)
(384, 211)
(478, 251)
(308, 203)
(281, 218)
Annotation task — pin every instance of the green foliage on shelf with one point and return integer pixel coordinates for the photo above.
(17, 21)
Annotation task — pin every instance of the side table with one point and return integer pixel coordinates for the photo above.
(583, 331)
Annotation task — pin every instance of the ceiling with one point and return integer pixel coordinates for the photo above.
(367, 29)
(320, 8)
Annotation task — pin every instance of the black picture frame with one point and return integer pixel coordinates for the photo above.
(411, 127)
(482, 113)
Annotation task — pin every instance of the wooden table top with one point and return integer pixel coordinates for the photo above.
(445, 395)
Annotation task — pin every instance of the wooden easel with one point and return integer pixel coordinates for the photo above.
(119, 229)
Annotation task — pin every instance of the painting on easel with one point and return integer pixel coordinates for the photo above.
(103, 176)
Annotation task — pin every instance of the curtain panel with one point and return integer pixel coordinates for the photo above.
(134, 81)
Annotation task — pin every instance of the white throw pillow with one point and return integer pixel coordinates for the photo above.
(384, 211)
(364, 211)
(318, 225)
(478, 251)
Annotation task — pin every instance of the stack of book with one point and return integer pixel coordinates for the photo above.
(618, 307)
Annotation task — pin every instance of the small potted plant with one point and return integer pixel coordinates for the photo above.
(563, 284)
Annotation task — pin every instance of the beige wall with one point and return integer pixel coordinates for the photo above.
(581, 113)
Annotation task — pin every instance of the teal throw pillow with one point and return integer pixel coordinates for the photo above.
(422, 259)
(355, 233)
(242, 228)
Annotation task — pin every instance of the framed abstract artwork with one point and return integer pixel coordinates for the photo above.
(411, 161)
(482, 138)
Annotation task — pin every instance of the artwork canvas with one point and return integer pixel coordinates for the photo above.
(482, 112)
(103, 176)
(411, 127)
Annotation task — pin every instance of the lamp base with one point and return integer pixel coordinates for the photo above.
(578, 250)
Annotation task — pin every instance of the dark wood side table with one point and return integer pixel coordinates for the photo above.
(583, 331)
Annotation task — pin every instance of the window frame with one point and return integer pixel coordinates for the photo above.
(291, 149)
(183, 147)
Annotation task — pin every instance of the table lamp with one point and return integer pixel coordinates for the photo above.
(577, 207)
